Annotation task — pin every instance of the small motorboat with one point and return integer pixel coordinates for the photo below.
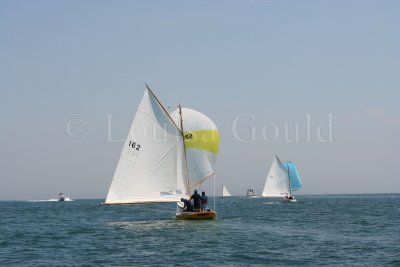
(61, 197)
(250, 193)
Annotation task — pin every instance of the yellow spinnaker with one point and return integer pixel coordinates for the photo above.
(202, 139)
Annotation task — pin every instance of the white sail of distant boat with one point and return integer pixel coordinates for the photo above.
(277, 183)
(225, 192)
(151, 167)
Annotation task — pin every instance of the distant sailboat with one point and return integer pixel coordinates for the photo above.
(159, 156)
(225, 192)
(282, 179)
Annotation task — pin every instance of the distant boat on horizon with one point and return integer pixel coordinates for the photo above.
(250, 193)
(61, 197)
(282, 179)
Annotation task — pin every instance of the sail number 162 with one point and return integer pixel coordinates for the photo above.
(134, 145)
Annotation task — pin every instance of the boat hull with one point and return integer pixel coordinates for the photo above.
(197, 215)
(289, 200)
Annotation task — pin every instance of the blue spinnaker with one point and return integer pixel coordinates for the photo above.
(295, 182)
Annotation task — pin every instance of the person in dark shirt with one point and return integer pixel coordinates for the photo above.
(187, 204)
(204, 201)
(196, 200)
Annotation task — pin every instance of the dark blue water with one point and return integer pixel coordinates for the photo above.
(341, 230)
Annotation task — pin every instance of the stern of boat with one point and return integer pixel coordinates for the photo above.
(197, 215)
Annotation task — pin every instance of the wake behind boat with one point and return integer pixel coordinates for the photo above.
(61, 198)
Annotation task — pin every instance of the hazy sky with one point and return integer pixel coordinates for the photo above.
(79, 63)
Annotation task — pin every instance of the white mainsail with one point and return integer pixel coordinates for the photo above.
(201, 143)
(151, 167)
(225, 192)
(277, 184)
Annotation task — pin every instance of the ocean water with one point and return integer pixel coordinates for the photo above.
(330, 230)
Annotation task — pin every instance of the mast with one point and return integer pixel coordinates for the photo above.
(184, 148)
(288, 174)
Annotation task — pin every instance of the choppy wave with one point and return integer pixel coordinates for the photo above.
(315, 231)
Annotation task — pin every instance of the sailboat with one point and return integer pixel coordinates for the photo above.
(156, 160)
(282, 179)
(225, 192)
(201, 144)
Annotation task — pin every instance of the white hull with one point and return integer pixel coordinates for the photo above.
(289, 200)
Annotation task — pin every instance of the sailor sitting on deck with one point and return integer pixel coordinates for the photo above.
(196, 200)
(187, 204)
(204, 201)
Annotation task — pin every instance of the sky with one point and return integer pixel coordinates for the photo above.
(72, 74)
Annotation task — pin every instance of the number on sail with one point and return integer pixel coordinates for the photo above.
(134, 145)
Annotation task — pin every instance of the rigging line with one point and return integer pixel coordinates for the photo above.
(214, 189)
(288, 169)
(184, 148)
(162, 106)
(179, 129)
